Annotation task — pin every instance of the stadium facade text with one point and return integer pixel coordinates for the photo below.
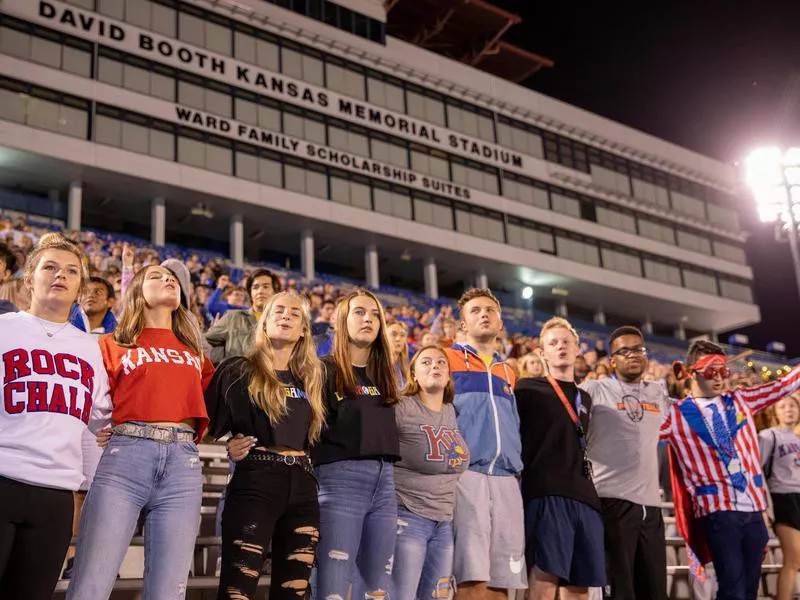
(315, 152)
(148, 44)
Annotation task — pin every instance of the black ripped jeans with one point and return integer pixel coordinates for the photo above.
(269, 503)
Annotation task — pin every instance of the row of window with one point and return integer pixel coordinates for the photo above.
(229, 37)
(67, 115)
(144, 14)
(169, 84)
(139, 134)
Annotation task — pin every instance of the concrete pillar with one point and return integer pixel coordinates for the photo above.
(561, 308)
(481, 280)
(307, 255)
(600, 316)
(371, 264)
(680, 332)
(431, 279)
(158, 221)
(74, 206)
(237, 240)
(647, 326)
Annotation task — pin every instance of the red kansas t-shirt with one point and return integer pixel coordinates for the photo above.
(159, 380)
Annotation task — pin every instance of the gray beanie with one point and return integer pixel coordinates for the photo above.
(184, 279)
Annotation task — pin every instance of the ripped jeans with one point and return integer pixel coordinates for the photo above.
(275, 503)
(423, 558)
(358, 529)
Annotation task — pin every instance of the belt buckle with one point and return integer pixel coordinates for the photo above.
(289, 462)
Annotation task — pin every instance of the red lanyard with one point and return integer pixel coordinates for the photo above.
(561, 396)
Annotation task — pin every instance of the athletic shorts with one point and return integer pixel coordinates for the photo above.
(489, 533)
(564, 538)
(787, 509)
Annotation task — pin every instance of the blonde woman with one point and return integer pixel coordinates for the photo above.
(780, 457)
(54, 386)
(273, 397)
(14, 296)
(354, 459)
(398, 336)
(157, 372)
(433, 457)
(531, 366)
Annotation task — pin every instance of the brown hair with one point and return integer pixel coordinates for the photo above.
(412, 386)
(56, 241)
(131, 321)
(701, 348)
(266, 389)
(473, 293)
(379, 365)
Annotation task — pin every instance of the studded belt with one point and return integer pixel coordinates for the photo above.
(302, 461)
(158, 433)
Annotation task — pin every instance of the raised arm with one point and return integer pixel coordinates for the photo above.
(762, 396)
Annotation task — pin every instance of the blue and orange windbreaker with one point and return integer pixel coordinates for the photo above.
(486, 411)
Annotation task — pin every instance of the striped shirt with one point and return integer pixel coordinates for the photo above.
(687, 427)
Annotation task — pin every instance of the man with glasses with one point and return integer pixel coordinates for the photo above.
(622, 444)
(717, 479)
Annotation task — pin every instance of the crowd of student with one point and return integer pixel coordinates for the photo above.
(481, 465)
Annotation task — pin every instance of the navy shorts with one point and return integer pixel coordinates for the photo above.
(564, 538)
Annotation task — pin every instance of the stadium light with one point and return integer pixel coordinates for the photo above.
(774, 177)
(527, 292)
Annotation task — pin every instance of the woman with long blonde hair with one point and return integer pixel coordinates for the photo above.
(355, 457)
(531, 366)
(272, 397)
(157, 373)
(398, 336)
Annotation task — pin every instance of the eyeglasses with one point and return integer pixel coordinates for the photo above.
(628, 352)
(709, 373)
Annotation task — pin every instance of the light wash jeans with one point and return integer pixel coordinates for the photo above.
(358, 529)
(165, 482)
(423, 557)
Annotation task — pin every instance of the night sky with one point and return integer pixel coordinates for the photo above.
(715, 77)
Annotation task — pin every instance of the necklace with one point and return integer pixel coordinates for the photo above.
(49, 334)
(632, 403)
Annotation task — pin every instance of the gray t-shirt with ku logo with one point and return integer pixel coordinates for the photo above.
(433, 457)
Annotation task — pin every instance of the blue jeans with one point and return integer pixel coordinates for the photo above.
(358, 529)
(736, 541)
(423, 557)
(164, 481)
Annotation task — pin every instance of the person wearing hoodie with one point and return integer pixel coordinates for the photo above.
(488, 521)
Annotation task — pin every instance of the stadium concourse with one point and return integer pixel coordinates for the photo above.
(217, 287)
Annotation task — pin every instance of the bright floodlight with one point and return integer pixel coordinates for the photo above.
(773, 175)
(527, 292)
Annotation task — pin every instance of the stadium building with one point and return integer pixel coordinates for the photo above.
(305, 130)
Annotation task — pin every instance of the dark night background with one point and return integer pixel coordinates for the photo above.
(715, 77)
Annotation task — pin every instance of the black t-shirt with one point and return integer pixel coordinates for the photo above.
(551, 453)
(231, 409)
(358, 426)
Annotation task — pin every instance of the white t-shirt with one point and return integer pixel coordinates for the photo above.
(782, 448)
(52, 389)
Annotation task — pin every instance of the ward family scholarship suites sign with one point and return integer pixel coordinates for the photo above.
(152, 46)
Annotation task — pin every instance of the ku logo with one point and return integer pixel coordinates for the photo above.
(445, 444)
